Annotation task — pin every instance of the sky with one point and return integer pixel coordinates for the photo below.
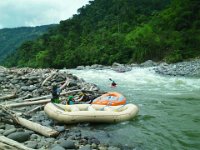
(18, 13)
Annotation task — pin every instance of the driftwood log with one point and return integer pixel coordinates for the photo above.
(6, 114)
(28, 103)
(8, 144)
(38, 98)
(63, 93)
(49, 77)
(48, 132)
(34, 110)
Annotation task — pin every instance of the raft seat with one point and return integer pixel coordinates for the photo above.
(74, 108)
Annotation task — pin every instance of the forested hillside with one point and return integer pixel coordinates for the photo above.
(11, 38)
(123, 31)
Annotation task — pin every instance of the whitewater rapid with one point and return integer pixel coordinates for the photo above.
(169, 108)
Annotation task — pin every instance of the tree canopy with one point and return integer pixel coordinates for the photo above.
(124, 31)
(12, 38)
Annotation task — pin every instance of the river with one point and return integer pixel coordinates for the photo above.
(169, 109)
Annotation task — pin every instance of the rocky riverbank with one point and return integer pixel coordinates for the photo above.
(187, 68)
(23, 85)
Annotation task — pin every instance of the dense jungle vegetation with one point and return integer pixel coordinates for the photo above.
(12, 38)
(124, 31)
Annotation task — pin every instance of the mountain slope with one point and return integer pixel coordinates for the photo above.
(11, 38)
(122, 31)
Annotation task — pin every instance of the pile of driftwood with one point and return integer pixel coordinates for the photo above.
(8, 115)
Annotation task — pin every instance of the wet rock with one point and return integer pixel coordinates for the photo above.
(86, 147)
(7, 132)
(80, 68)
(42, 143)
(68, 144)
(60, 128)
(34, 136)
(31, 144)
(2, 126)
(19, 136)
(148, 63)
(2, 131)
(94, 146)
(50, 140)
(57, 147)
(47, 122)
(8, 126)
(190, 69)
(83, 141)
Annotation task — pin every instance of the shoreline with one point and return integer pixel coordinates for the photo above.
(186, 68)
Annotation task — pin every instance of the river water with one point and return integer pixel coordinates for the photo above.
(169, 109)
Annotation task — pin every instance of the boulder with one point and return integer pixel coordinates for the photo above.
(19, 136)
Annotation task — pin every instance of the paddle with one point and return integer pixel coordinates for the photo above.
(113, 84)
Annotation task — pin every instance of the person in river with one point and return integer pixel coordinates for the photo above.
(55, 92)
(113, 84)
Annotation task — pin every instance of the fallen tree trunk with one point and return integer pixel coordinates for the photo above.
(49, 77)
(48, 132)
(6, 143)
(6, 114)
(38, 98)
(28, 103)
(34, 109)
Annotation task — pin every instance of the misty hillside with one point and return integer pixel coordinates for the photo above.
(11, 38)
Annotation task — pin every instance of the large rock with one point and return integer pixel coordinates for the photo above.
(68, 144)
(19, 136)
(57, 147)
(148, 63)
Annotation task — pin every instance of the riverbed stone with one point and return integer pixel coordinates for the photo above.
(2, 126)
(86, 147)
(41, 143)
(2, 131)
(8, 126)
(19, 136)
(50, 140)
(32, 144)
(7, 132)
(68, 144)
(57, 147)
(34, 136)
(60, 128)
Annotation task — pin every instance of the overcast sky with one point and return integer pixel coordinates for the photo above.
(17, 13)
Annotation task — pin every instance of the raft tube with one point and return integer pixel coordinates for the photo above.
(76, 113)
(111, 99)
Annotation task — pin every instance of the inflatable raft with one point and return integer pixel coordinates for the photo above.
(111, 99)
(90, 113)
